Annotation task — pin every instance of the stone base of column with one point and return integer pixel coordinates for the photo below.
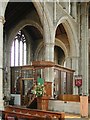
(1, 104)
(75, 90)
(84, 106)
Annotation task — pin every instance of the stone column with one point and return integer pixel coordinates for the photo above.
(84, 47)
(49, 56)
(49, 52)
(75, 67)
(1, 62)
(68, 62)
(72, 62)
(48, 36)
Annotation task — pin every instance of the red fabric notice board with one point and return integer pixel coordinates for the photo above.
(78, 82)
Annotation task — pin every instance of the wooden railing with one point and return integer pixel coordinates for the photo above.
(69, 97)
(31, 99)
(28, 99)
(18, 112)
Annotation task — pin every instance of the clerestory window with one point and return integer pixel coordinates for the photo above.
(18, 50)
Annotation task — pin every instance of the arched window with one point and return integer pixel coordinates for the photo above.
(18, 50)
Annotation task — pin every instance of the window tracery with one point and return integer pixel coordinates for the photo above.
(18, 50)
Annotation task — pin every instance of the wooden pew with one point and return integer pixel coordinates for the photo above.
(17, 115)
(32, 113)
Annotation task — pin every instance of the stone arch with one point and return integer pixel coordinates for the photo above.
(20, 26)
(61, 45)
(41, 13)
(72, 36)
(26, 22)
(45, 19)
(3, 6)
(57, 43)
(12, 33)
(40, 46)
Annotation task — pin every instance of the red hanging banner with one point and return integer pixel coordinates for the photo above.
(78, 80)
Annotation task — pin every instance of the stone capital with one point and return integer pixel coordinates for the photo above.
(2, 20)
(49, 44)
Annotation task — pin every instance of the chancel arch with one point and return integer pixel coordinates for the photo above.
(26, 23)
(29, 23)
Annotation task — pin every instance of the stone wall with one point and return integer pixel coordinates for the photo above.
(68, 107)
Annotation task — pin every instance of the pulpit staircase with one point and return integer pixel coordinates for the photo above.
(30, 100)
(21, 75)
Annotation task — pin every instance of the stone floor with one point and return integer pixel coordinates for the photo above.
(74, 117)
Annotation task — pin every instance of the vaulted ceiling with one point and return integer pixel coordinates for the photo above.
(15, 12)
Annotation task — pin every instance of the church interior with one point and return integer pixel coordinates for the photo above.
(44, 59)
